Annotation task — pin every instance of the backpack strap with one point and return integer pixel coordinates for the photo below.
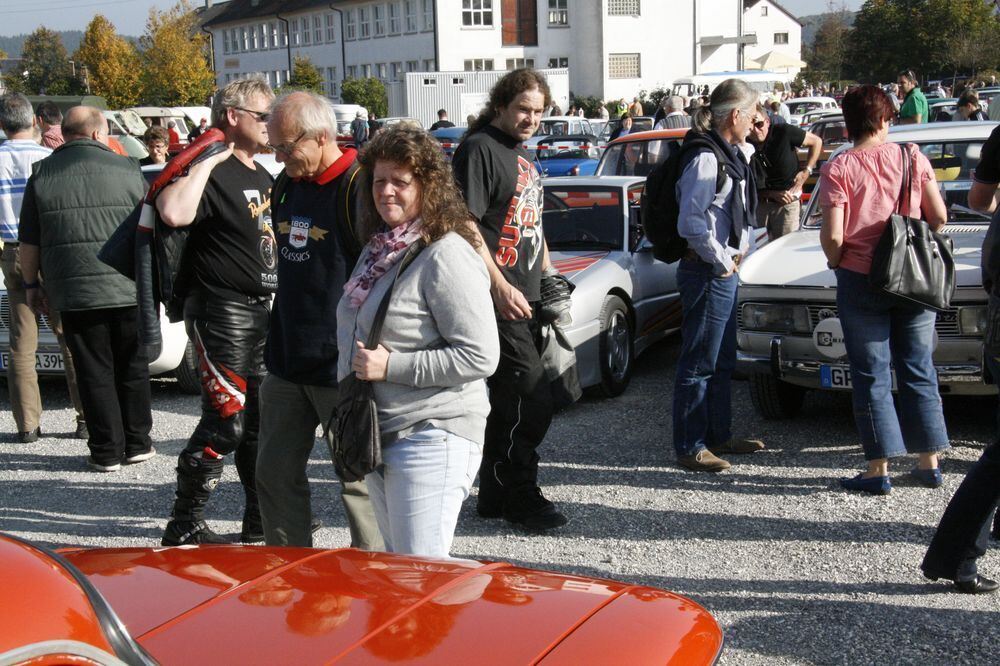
(701, 145)
(348, 230)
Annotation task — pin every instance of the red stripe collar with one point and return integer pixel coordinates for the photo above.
(342, 164)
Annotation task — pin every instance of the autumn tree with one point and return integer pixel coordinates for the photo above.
(112, 64)
(174, 58)
(305, 76)
(829, 48)
(47, 63)
(369, 93)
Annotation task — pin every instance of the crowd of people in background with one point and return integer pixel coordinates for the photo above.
(384, 263)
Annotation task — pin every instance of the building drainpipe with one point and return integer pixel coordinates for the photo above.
(288, 40)
(343, 47)
(437, 55)
(739, 35)
(694, 37)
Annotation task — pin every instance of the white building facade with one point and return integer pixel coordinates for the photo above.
(774, 29)
(612, 48)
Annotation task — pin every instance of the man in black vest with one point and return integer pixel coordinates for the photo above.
(227, 284)
(315, 216)
(73, 202)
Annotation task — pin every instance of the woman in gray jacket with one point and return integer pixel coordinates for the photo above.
(439, 340)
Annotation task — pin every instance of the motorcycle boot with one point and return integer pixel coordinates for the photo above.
(197, 476)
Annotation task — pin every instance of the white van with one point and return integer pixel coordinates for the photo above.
(762, 81)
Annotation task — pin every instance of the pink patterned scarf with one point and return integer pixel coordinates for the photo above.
(382, 252)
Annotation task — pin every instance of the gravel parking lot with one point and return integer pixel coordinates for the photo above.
(794, 570)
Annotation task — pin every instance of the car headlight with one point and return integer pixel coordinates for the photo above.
(972, 320)
(776, 317)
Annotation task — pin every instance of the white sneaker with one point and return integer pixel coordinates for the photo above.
(140, 457)
(97, 467)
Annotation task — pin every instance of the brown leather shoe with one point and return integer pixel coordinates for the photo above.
(703, 461)
(738, 446)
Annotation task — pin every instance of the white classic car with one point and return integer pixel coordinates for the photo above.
(789, 338)
(624, 298)
(800, 106)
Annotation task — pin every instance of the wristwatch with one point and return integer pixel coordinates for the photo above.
(808, 170)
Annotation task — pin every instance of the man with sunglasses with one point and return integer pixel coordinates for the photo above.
(229, 276)
(315, 225)
(776, 167)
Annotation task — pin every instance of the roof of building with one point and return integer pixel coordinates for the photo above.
(241, 10)
(206, 14)
(747, 4)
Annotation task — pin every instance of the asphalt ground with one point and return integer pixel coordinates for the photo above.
(794, 569)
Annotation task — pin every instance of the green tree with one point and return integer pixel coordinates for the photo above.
(826, 56)
(47, 63)
(369, 93)
(305, 76)
(175, 69)
(112, 64)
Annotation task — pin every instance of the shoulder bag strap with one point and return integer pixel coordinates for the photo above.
(904, 188)
(383, 307)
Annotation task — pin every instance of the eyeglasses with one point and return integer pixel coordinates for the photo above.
(286, 148)
(759, 124)
(260, 116)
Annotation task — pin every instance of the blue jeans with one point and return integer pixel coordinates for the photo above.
(419, 489)
(879, 328)
(702, 400)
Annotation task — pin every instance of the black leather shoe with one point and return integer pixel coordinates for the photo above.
(29, 436)
(980, 585)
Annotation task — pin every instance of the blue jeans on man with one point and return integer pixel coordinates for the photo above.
(880, 329)
(702, 409)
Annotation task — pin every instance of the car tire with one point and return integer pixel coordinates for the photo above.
(616, 348)
(187, 373)
(774, 399)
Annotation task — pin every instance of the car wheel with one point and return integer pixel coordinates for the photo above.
(187, 373)
(774, 399)
(616, 348)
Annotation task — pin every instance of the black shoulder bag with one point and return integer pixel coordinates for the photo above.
(910, 261)
(356, 444)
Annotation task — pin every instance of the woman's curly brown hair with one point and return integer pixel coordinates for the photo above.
(441, 205)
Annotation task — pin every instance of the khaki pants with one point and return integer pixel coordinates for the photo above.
(289, 414)
(778, 218)
(22, 380)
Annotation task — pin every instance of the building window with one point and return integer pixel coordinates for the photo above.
(430, 82)
(254, 38)
(781, 38)
(624, 66)
(331, 81)
(225, 41)
(395, 24)
(283, 32)
(429, 65)
(306, 34)
(396, 70)
(364, 23)
(350, 28)
(429, 14)
(558, 62)
(479, 65)
(457, 81)
(379, 12)
(380, 70)
(517, 63)
(296, 39)
(410, 11)
(477, 12)
(558, 12)
(623, 8)
(317, 29)
(245, 39)
(763, 10)
(331, 32)
(352, 71)
(366, 71)
(412, 65)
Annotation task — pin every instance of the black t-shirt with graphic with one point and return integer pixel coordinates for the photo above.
(503, 191)
(231, 246)
(781, 161)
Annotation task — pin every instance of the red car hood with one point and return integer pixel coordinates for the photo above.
(249, 605)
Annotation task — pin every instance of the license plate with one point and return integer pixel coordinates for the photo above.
(44, 361)
(835, 376)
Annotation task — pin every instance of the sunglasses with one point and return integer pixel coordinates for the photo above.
(260, 116)
(759, 124)
(286, 148)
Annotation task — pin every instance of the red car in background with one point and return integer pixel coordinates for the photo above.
(247, 604)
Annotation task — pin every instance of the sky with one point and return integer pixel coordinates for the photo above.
(129, 16)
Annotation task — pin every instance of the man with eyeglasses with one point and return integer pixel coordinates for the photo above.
(228, 279)
(776, 170)
(914, 108)
(315, 223)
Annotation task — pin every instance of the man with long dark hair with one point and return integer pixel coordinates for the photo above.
(503, 191)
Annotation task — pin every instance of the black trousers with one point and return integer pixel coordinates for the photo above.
(113, 375)
(963, 533)
(520, 413)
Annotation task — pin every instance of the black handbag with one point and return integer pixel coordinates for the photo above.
(356, 445)
(910, 261)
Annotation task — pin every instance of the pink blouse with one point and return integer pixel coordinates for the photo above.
(865, 183)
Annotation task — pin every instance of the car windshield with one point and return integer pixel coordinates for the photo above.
(798, 108)
(553, 128)
(953, 163)
(638, 125)
(634, 158)
(584, 217)
(552, 153)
